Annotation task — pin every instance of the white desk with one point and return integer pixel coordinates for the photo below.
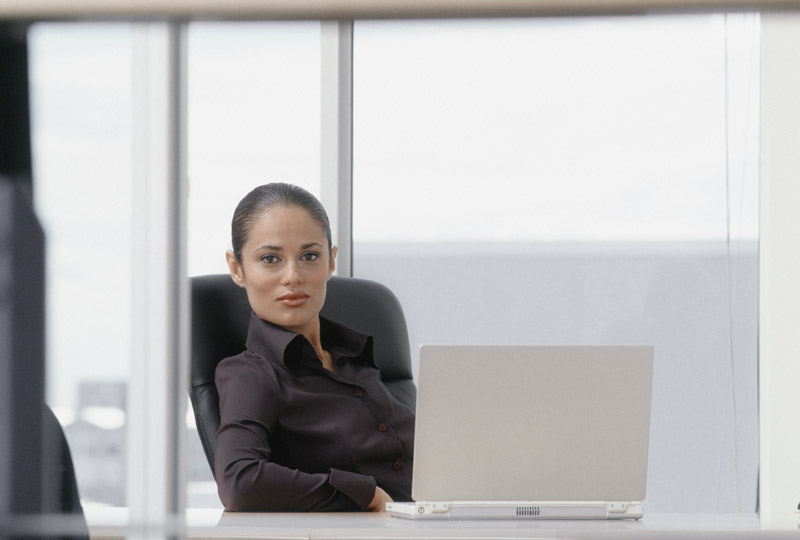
(208, 524)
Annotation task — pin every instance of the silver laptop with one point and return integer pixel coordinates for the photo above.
(530, 433)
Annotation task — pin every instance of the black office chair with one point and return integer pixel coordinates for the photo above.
(60, 493)
(221, 315)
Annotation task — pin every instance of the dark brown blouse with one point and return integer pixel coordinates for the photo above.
(296, 437)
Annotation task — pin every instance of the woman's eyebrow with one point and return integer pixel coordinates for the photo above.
(279, 248)
(269, 248)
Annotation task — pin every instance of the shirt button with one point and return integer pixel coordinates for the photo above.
(382, 427)
(397, 465)
(357, 392)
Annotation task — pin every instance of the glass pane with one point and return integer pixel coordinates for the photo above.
(254, 117)
(580, 181)
(81, 137)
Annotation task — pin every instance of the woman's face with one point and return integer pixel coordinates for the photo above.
(285, 268)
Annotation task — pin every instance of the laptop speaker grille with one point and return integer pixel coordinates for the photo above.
(528, 511)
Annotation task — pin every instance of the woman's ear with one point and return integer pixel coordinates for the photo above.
(235, 267)
(332, 265)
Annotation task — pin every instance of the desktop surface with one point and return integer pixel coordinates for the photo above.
(214, 523)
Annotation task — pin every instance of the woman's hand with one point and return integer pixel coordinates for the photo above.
(379, 501)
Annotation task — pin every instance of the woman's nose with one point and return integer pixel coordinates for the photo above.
(292, 274)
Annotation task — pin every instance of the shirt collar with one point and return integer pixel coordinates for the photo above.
(275, 342)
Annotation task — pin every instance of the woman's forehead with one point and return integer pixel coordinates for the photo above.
(287, 222)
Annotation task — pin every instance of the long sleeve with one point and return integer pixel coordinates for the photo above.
(248, 477)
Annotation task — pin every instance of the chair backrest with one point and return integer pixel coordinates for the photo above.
(60, 486)
(221, 315)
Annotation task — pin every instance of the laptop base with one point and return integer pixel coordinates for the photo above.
(513, 510)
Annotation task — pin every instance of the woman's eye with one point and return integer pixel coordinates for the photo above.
(270, 259)
(309, 256)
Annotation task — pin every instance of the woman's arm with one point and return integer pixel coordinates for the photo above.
(247, 479)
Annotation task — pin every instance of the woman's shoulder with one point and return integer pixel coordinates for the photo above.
(247, 384)
(247, 364)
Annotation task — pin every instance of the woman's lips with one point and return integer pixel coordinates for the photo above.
(293, 299)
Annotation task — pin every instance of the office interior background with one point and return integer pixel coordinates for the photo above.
(530, 181)
(590, 181)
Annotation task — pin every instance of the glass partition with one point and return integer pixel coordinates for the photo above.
(552, 181)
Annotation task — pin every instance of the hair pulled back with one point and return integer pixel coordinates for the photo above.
(261, 199)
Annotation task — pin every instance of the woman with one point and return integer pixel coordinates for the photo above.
(305, 422)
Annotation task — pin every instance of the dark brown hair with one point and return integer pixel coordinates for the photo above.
(260, 200)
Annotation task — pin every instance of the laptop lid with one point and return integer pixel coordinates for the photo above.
(532, 423)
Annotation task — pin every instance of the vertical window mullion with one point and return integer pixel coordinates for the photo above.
(156, 432)
(779, 266)
(336, 144)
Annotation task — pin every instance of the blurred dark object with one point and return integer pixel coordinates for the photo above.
(38, 492)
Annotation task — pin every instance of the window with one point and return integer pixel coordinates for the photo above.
(81, 130)
(254, 108)
(580, 181)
